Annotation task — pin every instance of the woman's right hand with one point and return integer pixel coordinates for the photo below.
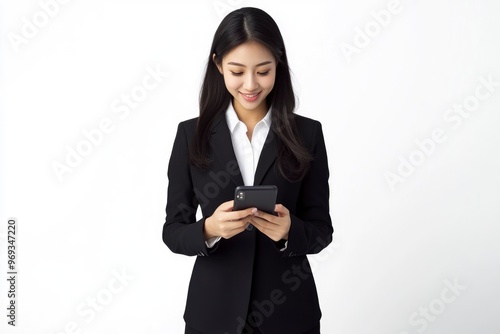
(226, 223)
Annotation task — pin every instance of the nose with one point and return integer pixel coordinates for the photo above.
(250, 84)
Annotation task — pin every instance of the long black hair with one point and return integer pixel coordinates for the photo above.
(238, 27)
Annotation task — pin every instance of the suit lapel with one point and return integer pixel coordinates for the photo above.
(222, 147)
(267, 157)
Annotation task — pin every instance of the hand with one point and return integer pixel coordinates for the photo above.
(226, 223)
(275, 227)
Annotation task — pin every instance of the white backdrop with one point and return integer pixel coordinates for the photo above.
(408, 93)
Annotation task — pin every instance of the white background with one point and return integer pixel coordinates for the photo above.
(396, 249)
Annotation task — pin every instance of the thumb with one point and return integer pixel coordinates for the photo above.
(227, 206)
(280, 209)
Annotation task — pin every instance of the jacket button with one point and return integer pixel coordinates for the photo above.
(249, 227)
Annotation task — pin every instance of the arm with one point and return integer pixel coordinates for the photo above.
(181, 232)
(311, 227)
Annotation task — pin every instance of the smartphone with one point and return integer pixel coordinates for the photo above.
(260, 197)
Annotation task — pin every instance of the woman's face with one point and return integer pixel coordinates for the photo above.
(249, 72)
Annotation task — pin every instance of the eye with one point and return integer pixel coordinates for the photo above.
(237, 74)
(263, 74)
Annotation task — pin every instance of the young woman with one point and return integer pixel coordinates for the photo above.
(251, 273)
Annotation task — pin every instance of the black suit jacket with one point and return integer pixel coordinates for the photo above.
(248, 274)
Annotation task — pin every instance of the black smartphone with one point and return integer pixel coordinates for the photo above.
(260, 197)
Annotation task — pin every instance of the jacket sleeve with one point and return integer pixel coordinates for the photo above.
(311, 227)
(181, 232)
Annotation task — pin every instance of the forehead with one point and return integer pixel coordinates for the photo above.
(249, 53)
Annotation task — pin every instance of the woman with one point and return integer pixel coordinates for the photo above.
(251, 273)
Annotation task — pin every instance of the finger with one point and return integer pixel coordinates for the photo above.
(237, 229)
(258, 221)
(230, 229)
(240, 214)
(281, 209)
(266, 228)
(224, 223)
(259, 224)
(266, 216)
(226, 206)
(264, 225)
(234, 225)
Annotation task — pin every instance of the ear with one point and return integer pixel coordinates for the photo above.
(214, 59)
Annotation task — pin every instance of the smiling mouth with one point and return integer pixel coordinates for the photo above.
(250, 97)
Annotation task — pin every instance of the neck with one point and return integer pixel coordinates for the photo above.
(250, 117)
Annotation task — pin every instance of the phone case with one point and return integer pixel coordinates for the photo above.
(260, 197)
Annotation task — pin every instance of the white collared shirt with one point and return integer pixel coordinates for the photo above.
(247, 151)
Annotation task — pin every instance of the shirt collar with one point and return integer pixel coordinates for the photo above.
(233, 120)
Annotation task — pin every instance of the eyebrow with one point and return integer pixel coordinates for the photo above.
(261, 64)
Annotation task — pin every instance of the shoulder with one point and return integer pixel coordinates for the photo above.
(308, 128)
(188, 126)
(305, 122)
(189, 123)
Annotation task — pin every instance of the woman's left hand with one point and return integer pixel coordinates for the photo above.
(275, 227)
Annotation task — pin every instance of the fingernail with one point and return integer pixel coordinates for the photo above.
(254, 210)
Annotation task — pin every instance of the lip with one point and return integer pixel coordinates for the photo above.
(250, 97)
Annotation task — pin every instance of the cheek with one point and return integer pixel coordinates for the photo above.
(231, 82)
(268, 82)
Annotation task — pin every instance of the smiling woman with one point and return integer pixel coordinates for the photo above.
(241, 279)
(249, 72)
